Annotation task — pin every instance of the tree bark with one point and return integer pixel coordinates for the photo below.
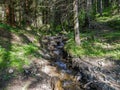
(10, 16)
(76, 22)
(89, 11)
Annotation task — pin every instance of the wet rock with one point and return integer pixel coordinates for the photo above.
(47, 56)
(53, 43)
(27, 72)
(118, 81)
(100, 86)
(60, 47)
(100, 63)
(51, 48)
(78, 76)
(66, 71)
(72, 86)
(56, 84)
(44, 41)
(51, 38)
(65, 38)
(61, 65)
(66, 83)
(32, 69)
(56, 52)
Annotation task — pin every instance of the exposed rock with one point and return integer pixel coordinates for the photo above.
(53, 43)
(11, 71)
(47, 56)
(56, 52)
(101, 73)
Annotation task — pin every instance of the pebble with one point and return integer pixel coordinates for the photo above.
(56, 52)
(11, 71)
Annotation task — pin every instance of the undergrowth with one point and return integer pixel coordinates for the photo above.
(106, 45)
(112, 21)
(16, 55)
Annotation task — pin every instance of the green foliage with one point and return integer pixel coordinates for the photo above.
(82, 17)
(107, 12)
(112, 35)
(58, 29)
(30, 49)
(112, 21)
(114, 24)
(16, 55)
(10, 29)
(94, 47)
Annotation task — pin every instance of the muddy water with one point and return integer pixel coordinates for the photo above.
(67, 79)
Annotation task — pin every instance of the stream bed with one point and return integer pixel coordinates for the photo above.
(55, 52)
(81, 73)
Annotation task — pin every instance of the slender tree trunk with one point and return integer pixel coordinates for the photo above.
(53, 16)
(10, 16)
(20, 13)
(94, 6)
(36, 14)
(89, 11)
(12, 12)
(118, 6)
(100, 6)
(7, 10)
(76, 22)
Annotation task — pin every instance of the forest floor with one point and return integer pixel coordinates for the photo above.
(98, 56)
(25, 63)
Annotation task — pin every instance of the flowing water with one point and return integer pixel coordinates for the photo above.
(55, 46)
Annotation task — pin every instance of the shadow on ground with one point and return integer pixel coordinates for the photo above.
(5, 44)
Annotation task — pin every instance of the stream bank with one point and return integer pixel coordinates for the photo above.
(57, 70)
(89, 73)
(53, 50)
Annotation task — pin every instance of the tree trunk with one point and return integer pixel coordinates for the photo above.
(7, 10)
(89, 12)
(99, 6)
(76, 22)
(10, 16)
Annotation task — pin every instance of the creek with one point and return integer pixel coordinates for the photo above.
(76, 73)
(55, 51)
